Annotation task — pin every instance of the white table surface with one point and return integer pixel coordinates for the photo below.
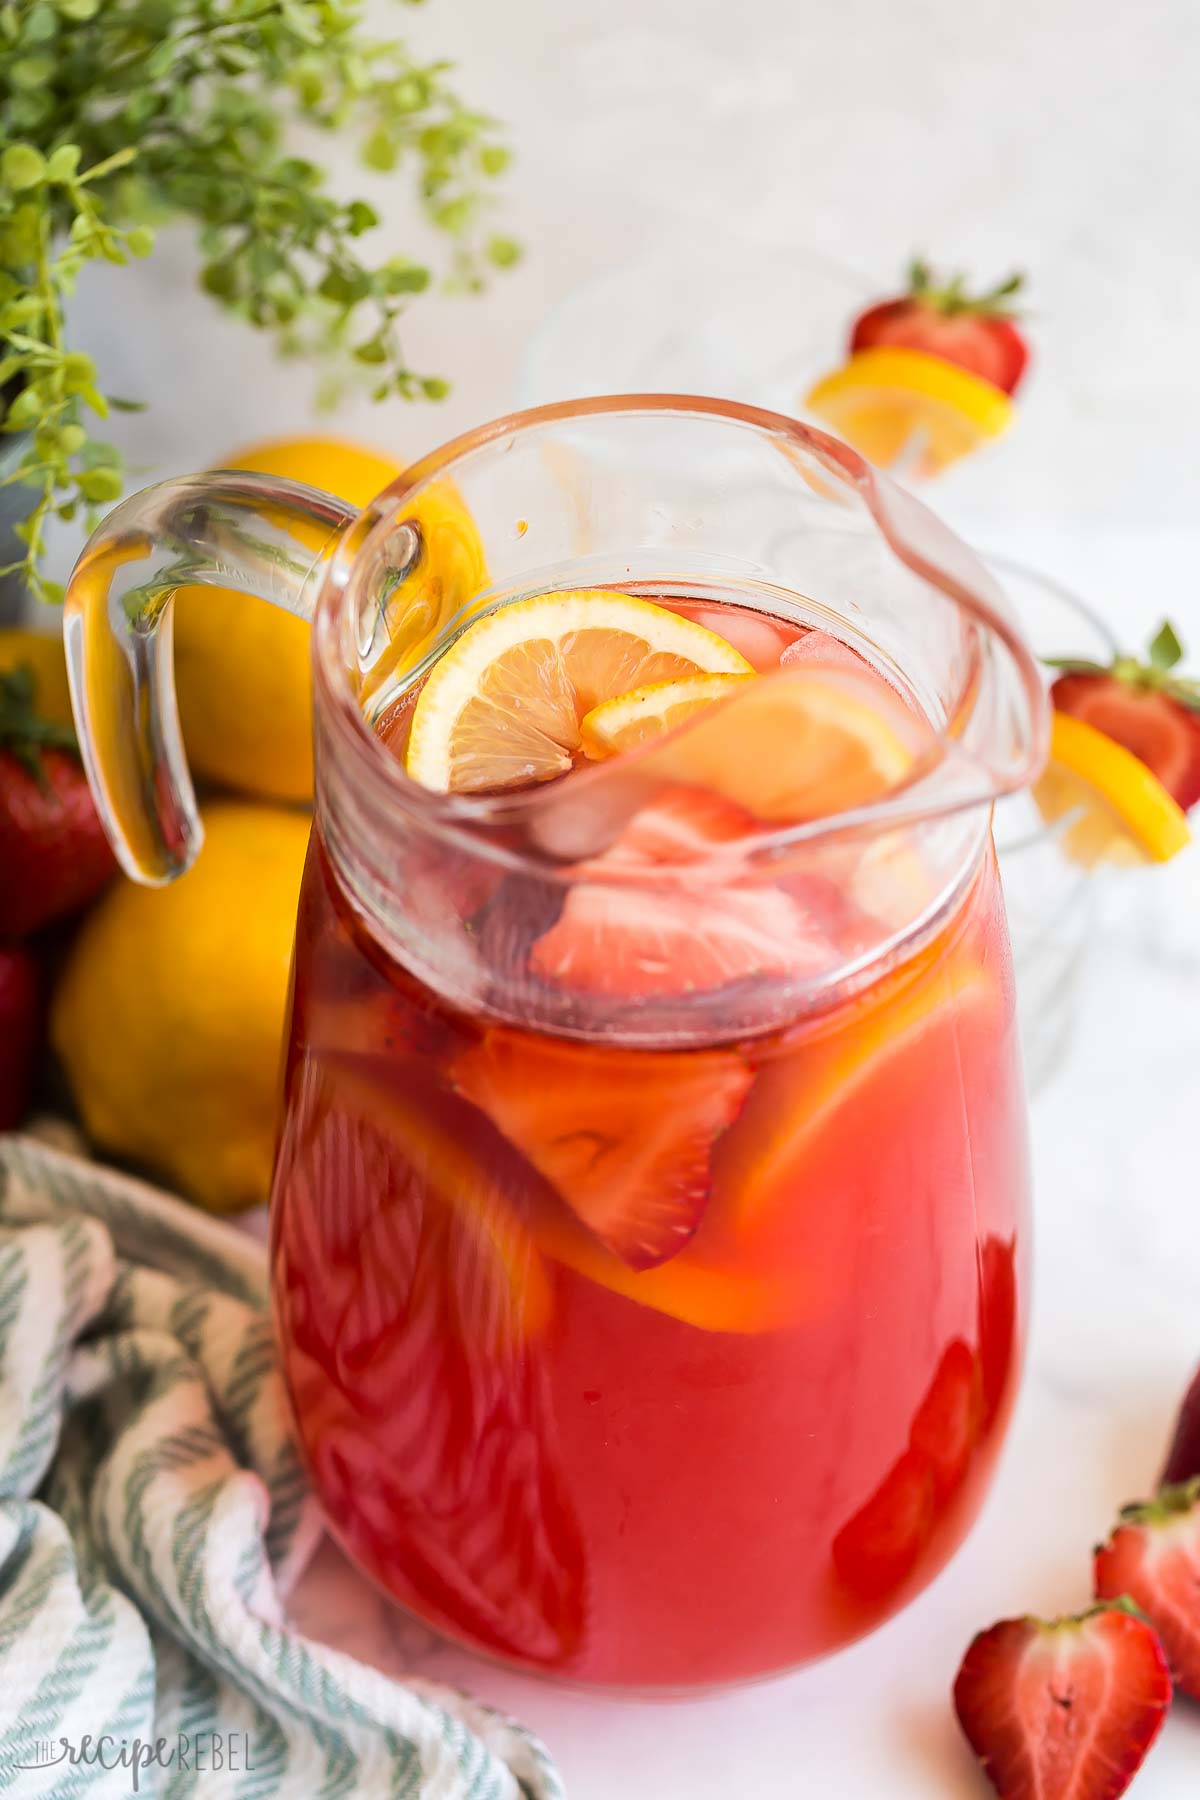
(1061, 136)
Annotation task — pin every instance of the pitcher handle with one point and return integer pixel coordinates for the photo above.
(257, 534)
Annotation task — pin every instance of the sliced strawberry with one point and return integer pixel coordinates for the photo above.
(620, 937)
(1183, 1458)
(1065, 1710)
(1154, 1557)
(950, 1418)
(625, 1136)
(943, 319)
(620, 942)
(878, 1548)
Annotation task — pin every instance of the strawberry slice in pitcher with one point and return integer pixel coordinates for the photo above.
(625, 1137)
(622, 938)
(622, 942)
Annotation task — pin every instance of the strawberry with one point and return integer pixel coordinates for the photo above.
(54, 856)
(1183, 1458)
(621, 937)
(997, 1322)
(1145, 707)
(20, 1021)
(877, 1549)
(1064, 1710)
(624, 1136)
(940, 318)
(620, 942)
(1153, 1556)
(950, 1418)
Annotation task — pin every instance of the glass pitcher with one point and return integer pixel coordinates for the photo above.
(649, 1218)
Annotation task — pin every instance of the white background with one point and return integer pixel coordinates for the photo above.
(1060, 135)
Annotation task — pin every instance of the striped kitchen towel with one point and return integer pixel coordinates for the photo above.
(152, 1518)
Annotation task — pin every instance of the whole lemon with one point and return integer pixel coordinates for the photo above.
(42, 652)
(241, 665)
(169, 1013)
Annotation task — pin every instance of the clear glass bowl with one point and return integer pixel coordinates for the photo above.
(1051, 900)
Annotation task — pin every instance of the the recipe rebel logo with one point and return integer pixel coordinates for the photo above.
(201, 1753)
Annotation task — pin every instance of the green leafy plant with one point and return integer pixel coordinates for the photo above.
(118, 115)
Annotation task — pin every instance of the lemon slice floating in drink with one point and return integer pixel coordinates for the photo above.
(801, 743)
(504, 705)
(905, 406)
(528, 689)
(1122, 812)
(960, 996)
(631, 720)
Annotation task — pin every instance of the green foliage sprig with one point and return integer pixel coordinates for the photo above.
(118, 115)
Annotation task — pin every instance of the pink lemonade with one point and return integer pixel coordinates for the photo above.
(642, 1365)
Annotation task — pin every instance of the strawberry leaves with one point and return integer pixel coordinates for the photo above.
(1155, 675)
(941, 317)
(952, 296)
(23, 731)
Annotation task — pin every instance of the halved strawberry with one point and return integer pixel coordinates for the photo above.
(618, 937)
(1144, 706)
(1154, 1557)
(978, 333)
(624, 1136)
(1065, 1709)
(1183, 1458)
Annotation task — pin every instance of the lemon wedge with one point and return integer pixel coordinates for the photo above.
(633, 719)
(898, 405)
(800, 743)
(1125, 814)
(503, 708)
(783, 1122)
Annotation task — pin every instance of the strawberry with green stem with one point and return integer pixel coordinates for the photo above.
(977, 332)
(54, 857)
(1153, 1556)
(1147, 707)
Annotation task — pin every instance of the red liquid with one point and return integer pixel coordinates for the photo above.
(673, 1475)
